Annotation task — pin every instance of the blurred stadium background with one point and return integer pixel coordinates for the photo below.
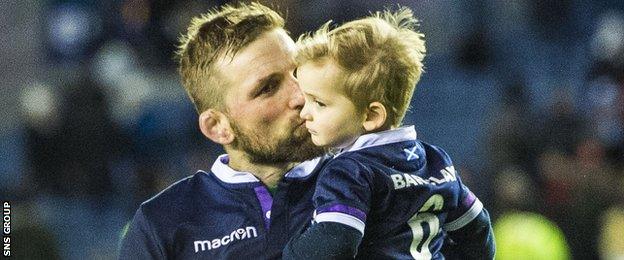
(527, 96)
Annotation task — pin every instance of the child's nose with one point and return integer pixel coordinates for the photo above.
(305, 114)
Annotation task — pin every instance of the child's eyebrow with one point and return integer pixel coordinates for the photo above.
(315, 97)
(308, 94)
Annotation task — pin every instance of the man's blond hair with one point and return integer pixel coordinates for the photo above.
(380, 57)
(217, 34)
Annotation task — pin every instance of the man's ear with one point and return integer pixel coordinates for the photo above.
(216, 126)
(375, 116)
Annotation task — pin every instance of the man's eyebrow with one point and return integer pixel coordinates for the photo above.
(262, 81)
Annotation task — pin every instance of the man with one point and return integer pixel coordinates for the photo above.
(237, 66)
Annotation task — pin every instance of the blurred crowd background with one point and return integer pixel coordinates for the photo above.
(527, 96)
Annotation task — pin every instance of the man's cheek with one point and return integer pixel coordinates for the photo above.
(268, 116)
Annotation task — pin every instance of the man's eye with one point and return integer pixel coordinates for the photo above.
(268, 88)
(295, 73)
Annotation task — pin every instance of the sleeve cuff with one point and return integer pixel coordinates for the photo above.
(341, 218)
(464, 219)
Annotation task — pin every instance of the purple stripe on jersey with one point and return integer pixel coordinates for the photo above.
(469, 200)
(225, 159)
(266, 202)
(344, 209)
(463, 207)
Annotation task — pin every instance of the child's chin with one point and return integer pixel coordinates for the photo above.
(317, 142)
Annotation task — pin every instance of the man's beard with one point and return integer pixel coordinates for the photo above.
(295, 147)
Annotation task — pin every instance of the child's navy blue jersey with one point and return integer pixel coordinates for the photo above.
(224, 214)
(401, 193)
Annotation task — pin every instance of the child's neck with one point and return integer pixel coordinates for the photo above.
(380, 129)
(340, 148)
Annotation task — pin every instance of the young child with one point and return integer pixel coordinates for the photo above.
(385, 194)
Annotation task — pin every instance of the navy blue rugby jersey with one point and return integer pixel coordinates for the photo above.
(223, 214)
(401, 193)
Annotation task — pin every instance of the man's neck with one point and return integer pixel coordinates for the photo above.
(269, 174)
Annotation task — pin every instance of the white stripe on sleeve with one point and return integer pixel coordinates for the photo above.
(462, 221)
(341, 218)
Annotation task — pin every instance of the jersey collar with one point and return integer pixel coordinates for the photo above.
(401, 134)
(222, 170)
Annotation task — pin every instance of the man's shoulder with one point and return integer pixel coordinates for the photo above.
(178, 198)
(197, 217)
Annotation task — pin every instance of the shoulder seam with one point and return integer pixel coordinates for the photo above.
(152, 232)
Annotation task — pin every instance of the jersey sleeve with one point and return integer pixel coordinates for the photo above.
(468, 209)
(343, 193)
(341, 199)
(326, 240)
(140, 241)
(474, 241)
(470, 228)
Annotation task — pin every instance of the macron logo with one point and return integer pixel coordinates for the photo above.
(239, 234)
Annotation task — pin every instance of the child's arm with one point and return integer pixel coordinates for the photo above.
(475, 240)
(325, 240)
(341, 199)
(469, 230)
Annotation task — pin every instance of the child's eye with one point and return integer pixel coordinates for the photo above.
(319, 103)
(295, 73)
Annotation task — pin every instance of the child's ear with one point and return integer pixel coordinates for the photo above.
(375, 116)
(216, 126)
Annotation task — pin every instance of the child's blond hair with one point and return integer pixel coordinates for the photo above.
(380, 55)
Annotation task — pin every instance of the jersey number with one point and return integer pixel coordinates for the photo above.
(421, 236)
